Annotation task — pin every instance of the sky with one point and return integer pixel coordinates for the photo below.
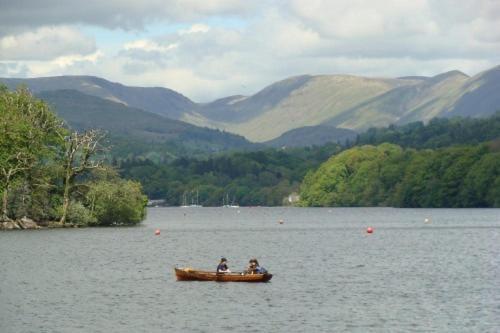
(209, 49)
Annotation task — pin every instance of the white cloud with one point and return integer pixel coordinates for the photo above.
(149, 46)
(195, 28)
(45, 43)
(209, 57)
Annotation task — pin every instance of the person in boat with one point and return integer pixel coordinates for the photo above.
(252, 265)
(255, 268)
(222, 267)
(258, 268)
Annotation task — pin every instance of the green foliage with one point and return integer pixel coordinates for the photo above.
(135, 133)
(356, 177)
(80, 215)
(249, 179)
(32, 148)
(437, 133)
(117, 202)
(387, 175)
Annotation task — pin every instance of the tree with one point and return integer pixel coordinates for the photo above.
(80, 150)
(116, 202)
(10, 167)
(28, 133)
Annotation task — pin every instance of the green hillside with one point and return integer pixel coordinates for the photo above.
(162, 101)
(439, 132)
(259, 178)
(388, 175)
(134, 131)
(422, 101)
(352, 102)
(312, 135)
(311, 103)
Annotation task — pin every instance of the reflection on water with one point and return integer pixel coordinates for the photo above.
(329, 274)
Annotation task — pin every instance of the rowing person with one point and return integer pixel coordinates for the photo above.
(222, 267)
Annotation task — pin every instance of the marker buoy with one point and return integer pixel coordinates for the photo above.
(369, 230)
(281, 222)
(157, 232)
(426, 220)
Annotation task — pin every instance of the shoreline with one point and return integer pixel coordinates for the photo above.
(26, 223)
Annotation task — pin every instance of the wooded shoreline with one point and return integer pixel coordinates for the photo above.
(49, 172)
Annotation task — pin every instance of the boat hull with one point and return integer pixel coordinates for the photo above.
(188, 274)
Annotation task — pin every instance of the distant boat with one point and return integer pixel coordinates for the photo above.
(226, 204)
(184, 200)
(195, 203)
(189, 274)
(194, 200)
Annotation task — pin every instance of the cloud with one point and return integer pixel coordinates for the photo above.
(195, 28)
(212, 54)
(45, 43)
(123, 14)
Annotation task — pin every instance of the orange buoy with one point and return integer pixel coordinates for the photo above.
(157, 232)
(369, 230)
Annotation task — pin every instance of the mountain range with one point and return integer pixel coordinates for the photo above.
(140, 133)
(300, 110)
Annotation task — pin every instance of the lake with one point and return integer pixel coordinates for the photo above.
(409, 275)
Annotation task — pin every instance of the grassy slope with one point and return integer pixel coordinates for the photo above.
(312, 103)
(422, 101)
(82, 111)
(480, 96)
(161, 101)
(359, 103)
(312, 135)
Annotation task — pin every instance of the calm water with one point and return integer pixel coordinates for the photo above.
(329, 275)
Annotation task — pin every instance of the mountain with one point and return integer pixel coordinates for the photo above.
(132, 126)
(292, 103)
(341, 101)
(351, 102)
(312, 135)
(162, 101)
(423, 100)
(238, 109)
(480, 96)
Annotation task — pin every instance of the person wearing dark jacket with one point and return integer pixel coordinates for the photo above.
(222, 267)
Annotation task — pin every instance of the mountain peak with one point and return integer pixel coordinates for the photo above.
(450, 74)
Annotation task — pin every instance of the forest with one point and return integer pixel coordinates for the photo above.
(438, 132)
(267, 177)
(259, 178)
(53, 176)
(389, 175)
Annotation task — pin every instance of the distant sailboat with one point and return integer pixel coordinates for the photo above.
(233, 204)
(227, 204)
(196, 203)
(184, 200)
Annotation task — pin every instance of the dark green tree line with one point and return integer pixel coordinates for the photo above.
(439, 132)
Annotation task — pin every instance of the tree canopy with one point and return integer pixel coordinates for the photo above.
(388, 175)
(34, 163)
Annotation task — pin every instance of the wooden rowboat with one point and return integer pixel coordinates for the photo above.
(189, 274)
